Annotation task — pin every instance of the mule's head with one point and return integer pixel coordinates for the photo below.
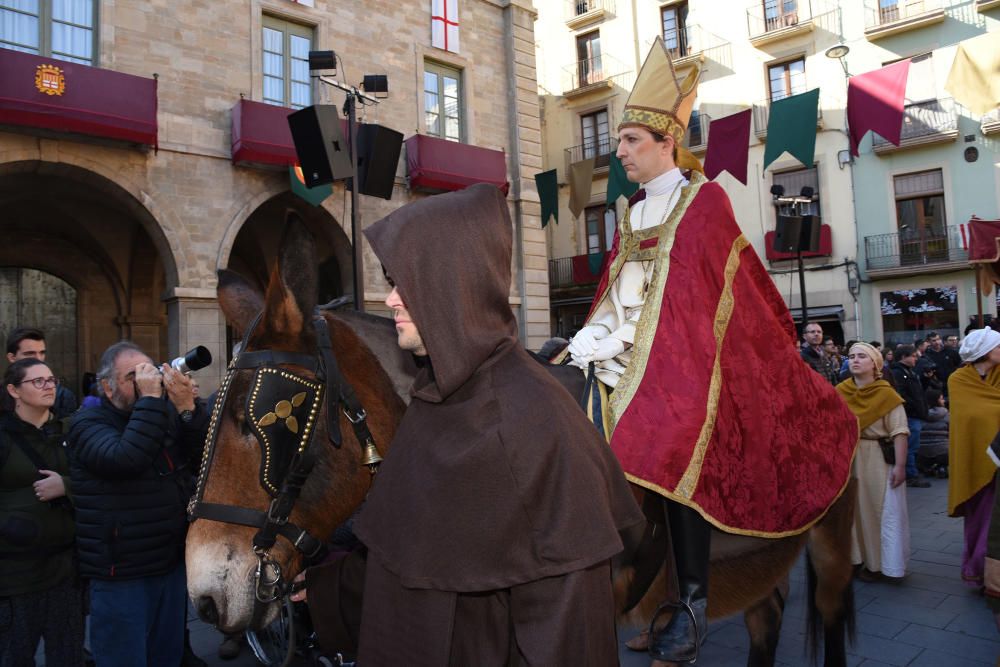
(251, 444)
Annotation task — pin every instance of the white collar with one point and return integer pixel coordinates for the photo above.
(663, 184)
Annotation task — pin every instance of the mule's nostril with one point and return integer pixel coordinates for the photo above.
(207, 610)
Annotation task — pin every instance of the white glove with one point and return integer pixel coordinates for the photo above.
(584, 343)
(608, 349)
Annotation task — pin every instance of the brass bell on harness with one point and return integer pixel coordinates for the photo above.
(370, 456)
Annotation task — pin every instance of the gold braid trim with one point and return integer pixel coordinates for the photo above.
(723, 313)
(650, 316)
(660, 122)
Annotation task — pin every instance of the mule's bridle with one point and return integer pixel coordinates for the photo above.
(328, 382)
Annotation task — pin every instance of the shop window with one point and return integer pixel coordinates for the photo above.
(61, 29)
(913, 313)
(285, 52)
(443, 101)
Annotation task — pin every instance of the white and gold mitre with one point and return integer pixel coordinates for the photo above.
(660, 101)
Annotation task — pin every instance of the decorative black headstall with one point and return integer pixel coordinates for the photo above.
(281, 410)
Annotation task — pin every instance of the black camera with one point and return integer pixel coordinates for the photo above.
(197, 358)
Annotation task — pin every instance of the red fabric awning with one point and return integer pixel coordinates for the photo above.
(261, 135)
(825, 246)
(51, 94)
(440, 165)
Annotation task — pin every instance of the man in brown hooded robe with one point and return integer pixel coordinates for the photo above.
(493, 519)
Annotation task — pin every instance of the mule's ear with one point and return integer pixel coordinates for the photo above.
(239, 300)
(292, 293)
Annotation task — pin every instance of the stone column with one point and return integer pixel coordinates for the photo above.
(194, 318)
(526, 161)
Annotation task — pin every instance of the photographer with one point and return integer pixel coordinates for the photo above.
(131, 478)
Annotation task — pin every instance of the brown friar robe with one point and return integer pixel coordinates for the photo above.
(492, 521)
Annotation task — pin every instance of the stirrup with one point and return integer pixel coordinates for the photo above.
(699, 639)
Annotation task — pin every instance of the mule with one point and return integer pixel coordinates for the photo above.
(748, 574)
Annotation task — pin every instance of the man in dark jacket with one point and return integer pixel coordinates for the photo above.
(131, 486)
(945, 358)
(815, 355)
(909, 386)
(492, 522)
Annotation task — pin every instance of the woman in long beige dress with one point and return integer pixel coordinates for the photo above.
(881, 541)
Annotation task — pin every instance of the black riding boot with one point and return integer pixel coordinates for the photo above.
(691, 537)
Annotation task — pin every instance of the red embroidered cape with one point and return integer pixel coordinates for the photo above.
(717, 410)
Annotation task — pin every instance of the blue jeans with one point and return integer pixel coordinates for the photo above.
(139, 621)
(912, 445)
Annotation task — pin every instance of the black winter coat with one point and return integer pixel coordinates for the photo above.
(909, 386)
(131, 476)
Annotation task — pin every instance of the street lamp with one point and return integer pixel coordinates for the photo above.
(839, 52)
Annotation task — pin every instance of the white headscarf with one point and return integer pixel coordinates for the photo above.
(978, 344)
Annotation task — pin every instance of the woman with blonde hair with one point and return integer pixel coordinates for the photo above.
(881, 541)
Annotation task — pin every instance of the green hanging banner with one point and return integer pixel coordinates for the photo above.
(618, 183)
(548, 194)
(314, 196)
(791, 126)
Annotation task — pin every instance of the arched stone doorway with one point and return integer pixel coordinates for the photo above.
(255, 248)
(93, 235)
(32, 298)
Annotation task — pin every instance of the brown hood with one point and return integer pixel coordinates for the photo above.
(450, 257)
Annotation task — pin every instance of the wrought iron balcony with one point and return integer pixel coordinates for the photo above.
(762, 111)
(930, 122)
(601, 150)
(888, 17)
(771, 20)
(693, 44)
(583, 12)
(593, 72)
(915, 251)
(575, 271)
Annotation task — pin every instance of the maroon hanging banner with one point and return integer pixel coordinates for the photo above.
(729, 146)
(875, 102)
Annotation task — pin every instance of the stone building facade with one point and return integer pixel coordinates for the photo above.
(108, 240)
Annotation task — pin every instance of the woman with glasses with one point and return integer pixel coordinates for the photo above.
(40, 595)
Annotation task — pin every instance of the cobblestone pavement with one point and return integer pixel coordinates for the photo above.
(929, 620)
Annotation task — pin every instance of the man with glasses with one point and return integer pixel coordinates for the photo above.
(129, 467)
(29, 343)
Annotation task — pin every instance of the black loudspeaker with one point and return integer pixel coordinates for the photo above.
(320, 144)
(795, 233)
(378, 157)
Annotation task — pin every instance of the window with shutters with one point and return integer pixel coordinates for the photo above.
(595, 131)
(675, 37)
(786, 79)
(588, 57)
(920, 216)
(443, 115)
(285, 52)
(600, 222)
(61, 29)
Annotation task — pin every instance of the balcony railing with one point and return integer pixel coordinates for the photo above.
(575, 271)
(762, 111)
(696, 41)
(879, 13)
(915, 249)
(601, 150)
(578, 8)
(990, 123)
(593, 71)
(768, 20)
(924, 123)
